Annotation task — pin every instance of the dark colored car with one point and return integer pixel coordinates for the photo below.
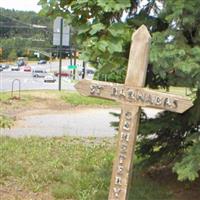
(1, 68)
(21, 63)
(62, 74)
(42, 62)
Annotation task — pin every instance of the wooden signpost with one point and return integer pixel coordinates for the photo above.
(133, 97)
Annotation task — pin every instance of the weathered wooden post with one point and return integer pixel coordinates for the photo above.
(132, 96)
(130, 115)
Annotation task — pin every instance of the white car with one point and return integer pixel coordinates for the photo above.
(49, 78)
(39, 73)
(15, 68)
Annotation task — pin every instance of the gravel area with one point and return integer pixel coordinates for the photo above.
(84, 122)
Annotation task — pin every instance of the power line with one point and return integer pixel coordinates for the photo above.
(28, 27)
(26, 24)
(15, 26)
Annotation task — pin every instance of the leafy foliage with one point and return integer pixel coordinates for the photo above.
(189, 166)
(103, 30)
(100, 32)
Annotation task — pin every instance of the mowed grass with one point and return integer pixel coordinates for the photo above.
(68, 168)
(183, 91)
(77, 99)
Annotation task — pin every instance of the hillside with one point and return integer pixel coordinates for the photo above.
(21, 30)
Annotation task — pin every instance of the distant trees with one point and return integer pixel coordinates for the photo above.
(12, 55)
(17, 33)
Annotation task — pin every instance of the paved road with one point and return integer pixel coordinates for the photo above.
(30, 83)
(86, 122)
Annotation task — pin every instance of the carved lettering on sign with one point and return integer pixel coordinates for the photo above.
(122, 94)
(120, 170)
(124, 148)
(114, 91)
(126, 126)
(121, 159)
(118, 180)
(158, 101)
(125, 133)
(116, 192)
(125, 136)
(128, 115)
(149, 99)
(95, 89)
(132, 95)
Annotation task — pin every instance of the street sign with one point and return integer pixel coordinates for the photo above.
(71, 66)
(57, 32)
(132, 96)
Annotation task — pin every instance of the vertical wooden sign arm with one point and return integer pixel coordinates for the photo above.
(130, 115)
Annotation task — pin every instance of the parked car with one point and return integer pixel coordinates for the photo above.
(21, 63)
(5, 66)
(49, 78)
(27, 68)
(42, 62)
(1, 68)
(39, 73)
(90, 71)
(15, 68)
(66, 74)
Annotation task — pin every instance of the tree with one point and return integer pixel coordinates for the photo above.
(12, 55)
(18, 33)
(103, 32)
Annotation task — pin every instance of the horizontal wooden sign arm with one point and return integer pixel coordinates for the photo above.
(134, 95)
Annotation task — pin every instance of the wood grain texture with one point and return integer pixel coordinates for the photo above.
(143, 97)
(136, 75)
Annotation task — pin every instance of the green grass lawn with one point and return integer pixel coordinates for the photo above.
(77, 99)
(68, 168)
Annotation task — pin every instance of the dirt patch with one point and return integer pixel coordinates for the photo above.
(12, 191)
(15, 107)
(40, 104)
(181, 190)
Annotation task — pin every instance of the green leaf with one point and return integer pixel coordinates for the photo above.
(102, 45)
(112, 6)
(114, 46)
(117, 29)
(83, 28)
(96, 28)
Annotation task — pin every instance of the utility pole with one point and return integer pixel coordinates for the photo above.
(83, 70)
(60, 51)
(70, 56)
(74, 70)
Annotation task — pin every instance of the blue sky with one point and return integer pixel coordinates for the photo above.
(25, 5)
